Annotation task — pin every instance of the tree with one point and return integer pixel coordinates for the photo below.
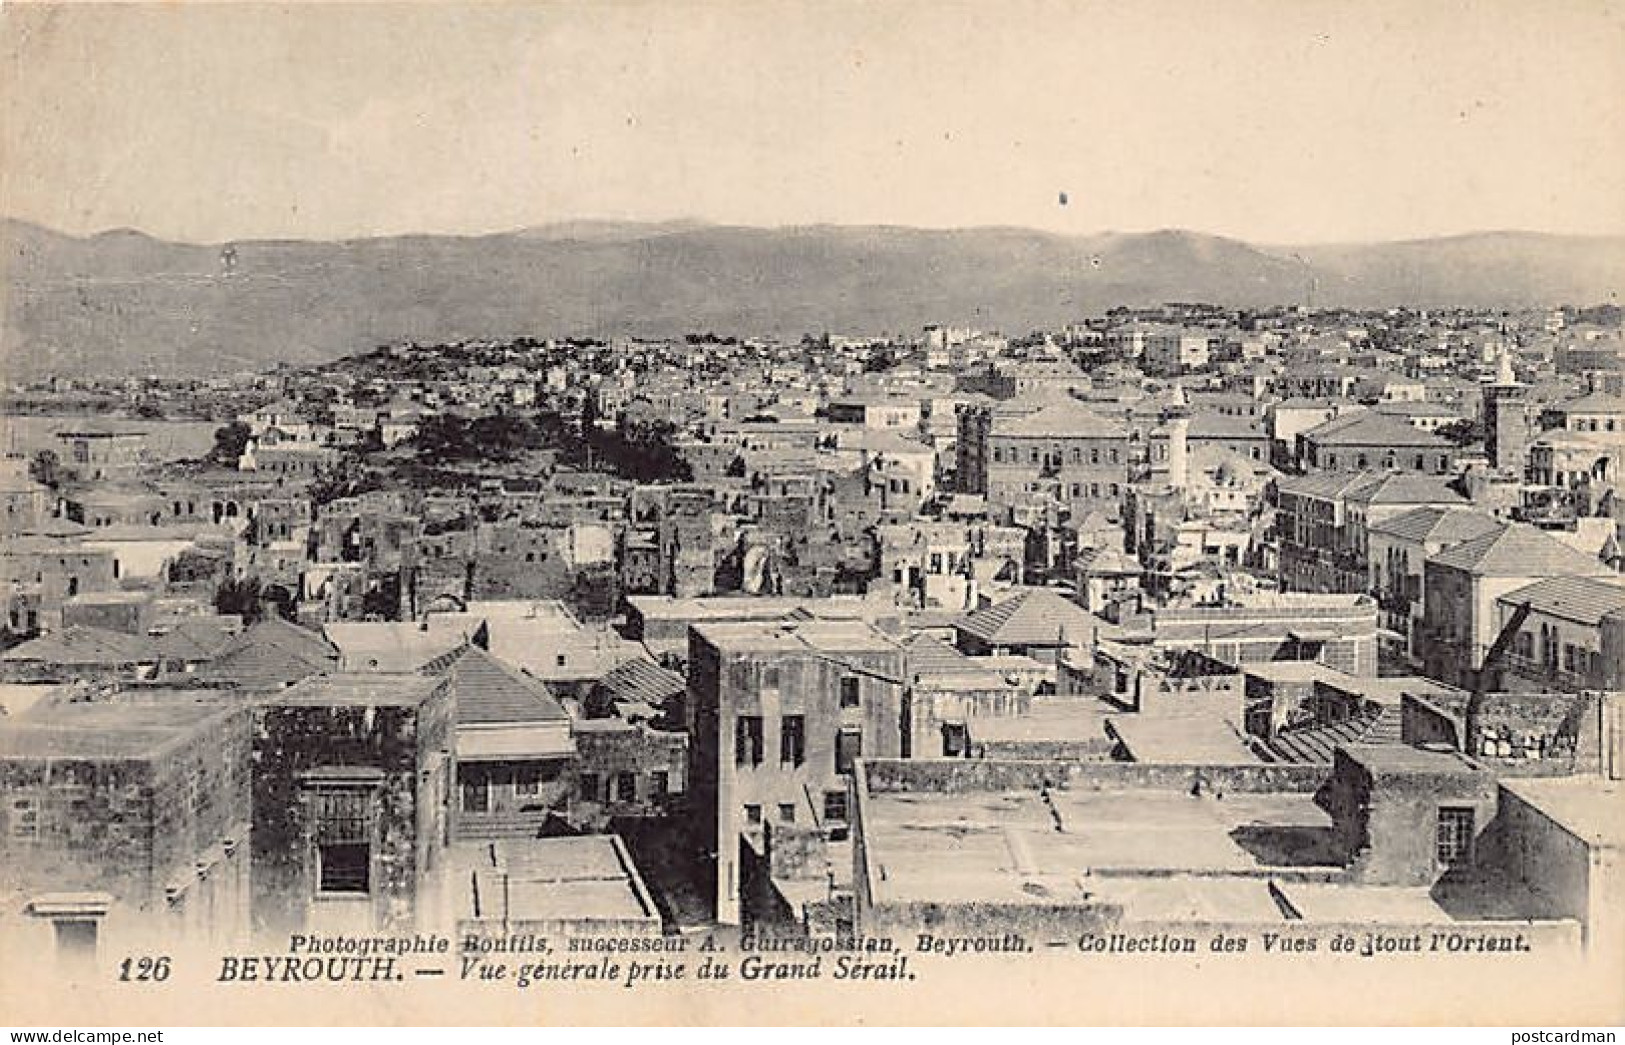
(46, 468)
(229, 443)
(240, 598)
(1466, 432)
(248, 597)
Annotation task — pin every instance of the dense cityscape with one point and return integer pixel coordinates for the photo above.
(1177, 616)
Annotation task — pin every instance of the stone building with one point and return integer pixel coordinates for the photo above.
(123, 823)
(779, 714)
(351, 779)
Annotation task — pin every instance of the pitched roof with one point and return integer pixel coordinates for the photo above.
(1519, 550)
(1441, 525)
(1593, 403)
(1403, 488)
(1036, 617)
(1584, 600)
(1320, 484)
(85, 645)
(197, 638)
(1371, 428)
(931, 655)
(271, 654)
(1064, 417)
(489, 692)
(1102, 561)
(641, 679)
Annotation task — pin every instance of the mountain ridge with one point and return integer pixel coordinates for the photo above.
(122, 301)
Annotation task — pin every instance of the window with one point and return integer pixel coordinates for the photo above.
(343, 840)
(626, 786)
(770, 676)
(793, 740)
(659, 784)
(955, 740)
(848, 749)
(477, 795)
(24, 819)
(835, 806)
(753, 814)
(1455, 834)
(850, 697)
(1094, 455)
(748, 740)
(787, 813)
(590, 791)
(527, 781)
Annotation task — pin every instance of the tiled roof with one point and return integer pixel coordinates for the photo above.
(1316, 745)
(1064, 417)
(490, 692)
(85, 645)
(1584, 600)
(1035, 617)
(640, 679)
(1327, 484)
(1441, 525)
(1370, 428)
(933, 656)
(1593, 403)
(1403, 488)
(1519, 551)
(1102, 561)
(271, 654)
(195, 640)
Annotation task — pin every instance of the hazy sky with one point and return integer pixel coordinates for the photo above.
(1277, 120)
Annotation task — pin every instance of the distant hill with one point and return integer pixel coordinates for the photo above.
(123, 302)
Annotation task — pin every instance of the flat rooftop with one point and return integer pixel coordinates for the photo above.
(1383, 759)
(1590, 808)
(116, 730)
(1011, 846)
(589, 878)
(363, 689)
(1187, 739)
(1298, 671)
(796, 636)
(1048, 719)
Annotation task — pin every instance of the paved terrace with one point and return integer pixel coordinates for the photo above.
(1158, 853)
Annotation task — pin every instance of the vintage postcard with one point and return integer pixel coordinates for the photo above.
(715, 512)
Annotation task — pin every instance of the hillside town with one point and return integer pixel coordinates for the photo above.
(1176, 616)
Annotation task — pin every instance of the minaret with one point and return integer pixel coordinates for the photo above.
(1506, 420)
(1178, 420)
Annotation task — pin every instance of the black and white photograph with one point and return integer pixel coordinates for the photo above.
(718, 512)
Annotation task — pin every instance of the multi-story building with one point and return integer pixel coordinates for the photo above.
(351, 777)
(1571, 639)
(1462, 584)
(1061, 452)
(1324, 524)
(1396, 549)
(778, 715)
(1368, 441)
